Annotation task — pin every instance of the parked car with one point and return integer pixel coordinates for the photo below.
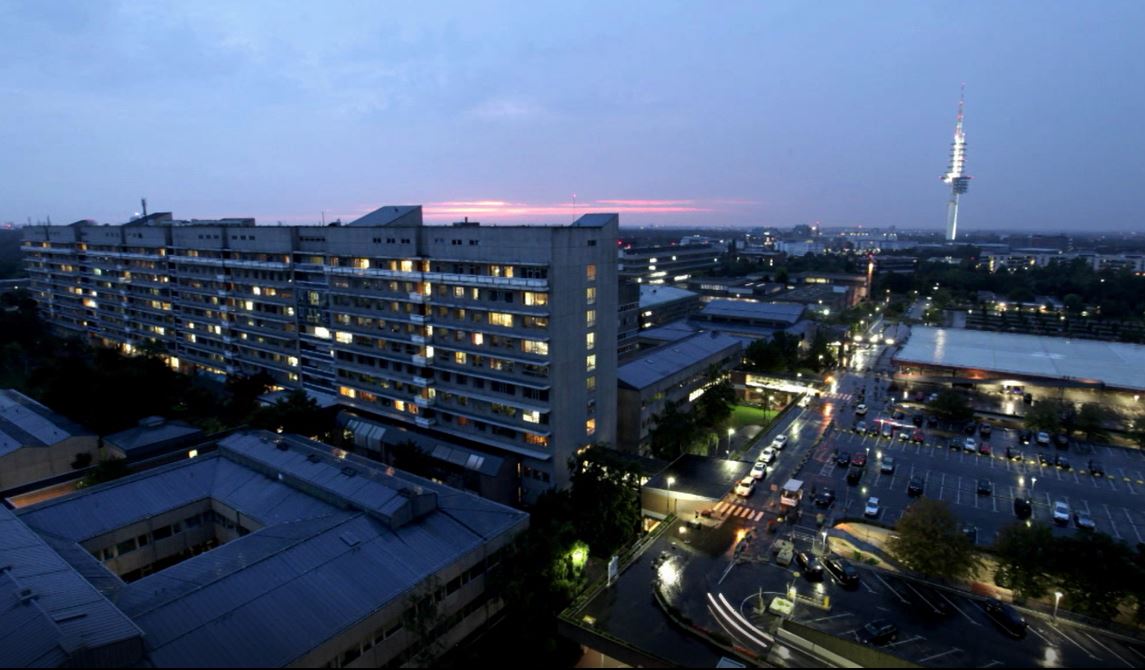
(1061, 441)
(984, 430)
(842, 571)
(914, 487)
(1023, 508)
(843, 459)
(873, 428)
(971, 533)
(810, 566)
(854, 475)
(1061, 512)
(759, 470)
(956, 443)
(898, 414)
(779, 442)
(1096, 469)
(877, 632)
(745, 487)
(918, 436)
(932, 397)
(932, 421)
(861, 427)
(1014, 455)
(1062, 462)
(917, 420)
(861, 410)
(1005, 617)
(1083, 521)
(970, 428)
(872, 508)
(887, 465)
(825, 498)
(1045, 460)
(888, 430)
(859, 459)
(1025, 436)
(767, 455)
(1043, 439)
(984, 448)
(985, 487)
(970, 444)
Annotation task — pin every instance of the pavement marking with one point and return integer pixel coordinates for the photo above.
(958, 493)
(1098, 643)
(1132, 525)
(952, 650)
(992, 664)
(867, 586)
(828, 618)
(916, 638)
(1075, 642)
(968, 617)
(891, 588)
(994, 500)
(1136, 652)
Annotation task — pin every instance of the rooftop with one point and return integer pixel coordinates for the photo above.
(1113, 364)
(335, 538)
(669, 332)
(153, 434)
(744, 309)
(660, 364)
(26, 423)
(706, 477)
(656, 295)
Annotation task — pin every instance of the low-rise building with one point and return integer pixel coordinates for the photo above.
(663, 304)
(269, 551)
(747, 318)
(36, 444)
(678, 372)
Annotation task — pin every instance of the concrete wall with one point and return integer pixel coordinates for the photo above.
(32, 464)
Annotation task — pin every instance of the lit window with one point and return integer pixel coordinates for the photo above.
(458, 292)
(347, 391)
(361, 263)
(590, 362)
(343, 337)
(538, 440)
(459, 357)
(590, 272)
(535, 347)
(531, 417)
(536, 299)
(323, 332)
(501, 319)
(590, 383)
(590, 317)
(478, 339)
(590, 341)
(590, 295)
(590, 427)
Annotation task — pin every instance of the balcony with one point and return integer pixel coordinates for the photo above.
(418, 298)
(420, 319)
(423, 422)
(423, 402)
(422, 381)
(420, 360)
(417, 339)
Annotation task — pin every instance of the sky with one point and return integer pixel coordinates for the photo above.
(670, 113)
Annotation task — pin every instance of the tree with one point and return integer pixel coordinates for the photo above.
(605, 499)
(673, 433)
(952, 406)
(930, 541)
(715, 405)
(1091, 570)
(1024, 554)
(1045, 415)
(1091, 420)
(297, 413)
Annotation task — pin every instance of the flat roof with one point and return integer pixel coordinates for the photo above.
(669, 332)
(670, 359)
(701, 476)
(1113, 364)
(744, 309)
(340, 537)
(656, 295)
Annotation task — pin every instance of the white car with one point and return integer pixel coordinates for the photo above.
(861, 410)
(779, 442)
(872, 508)
(1061, 512)
(887, 465)
(759, 470)
(970, 445)
(1043, 439)
(767, 456)
(745, 487)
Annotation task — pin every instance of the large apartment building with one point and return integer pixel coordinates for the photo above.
(503, 336)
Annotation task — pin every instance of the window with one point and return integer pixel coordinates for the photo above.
(535, 347)
(538, 440)
(590, 427)
(590, 362)
(343, 337)
(478, 339)
(590, 317)
(590, 383)
(459, 357)
(590, 272)
(458, 291)
(590, 295)
(361, 263)
(531, 417)
(590, 341)
(536, 299)
(501, 319)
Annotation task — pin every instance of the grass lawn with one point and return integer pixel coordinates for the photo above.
(745, 415)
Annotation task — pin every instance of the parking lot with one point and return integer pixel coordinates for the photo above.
(1112, 501)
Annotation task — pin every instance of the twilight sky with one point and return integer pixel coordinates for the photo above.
(729, 113)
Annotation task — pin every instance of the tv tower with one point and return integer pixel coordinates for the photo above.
(955, 174)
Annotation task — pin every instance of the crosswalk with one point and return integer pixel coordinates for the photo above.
(732, 509)
(837, 395)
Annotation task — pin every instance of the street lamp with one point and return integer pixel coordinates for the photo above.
(1057, 599)
(731, 431)
(668, 501)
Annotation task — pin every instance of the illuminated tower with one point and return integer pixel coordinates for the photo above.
(955, 174)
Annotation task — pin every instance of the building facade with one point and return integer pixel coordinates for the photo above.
(667, 264)
(502, 336)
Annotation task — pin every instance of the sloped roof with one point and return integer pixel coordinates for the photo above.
(671, 359)
(26, 423)
(391, 215)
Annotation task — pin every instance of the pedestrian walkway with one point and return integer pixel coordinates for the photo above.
(730, 509)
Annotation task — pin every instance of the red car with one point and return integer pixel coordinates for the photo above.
(984, 448)
(917, 436)
(859, 459)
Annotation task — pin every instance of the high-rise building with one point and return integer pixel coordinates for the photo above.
(504, 336)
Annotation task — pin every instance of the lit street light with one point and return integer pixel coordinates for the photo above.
(668, 501)
(1057, 599)
(731, 432)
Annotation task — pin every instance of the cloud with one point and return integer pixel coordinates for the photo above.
(510, 210)
(507, 109)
